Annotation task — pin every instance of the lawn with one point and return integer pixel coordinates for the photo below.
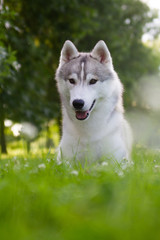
(42, 200)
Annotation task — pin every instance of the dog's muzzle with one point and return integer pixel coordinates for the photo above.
(78, 105)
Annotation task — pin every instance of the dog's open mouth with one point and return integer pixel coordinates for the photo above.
(82, 115)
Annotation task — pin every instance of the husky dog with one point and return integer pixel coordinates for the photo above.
(91, 96)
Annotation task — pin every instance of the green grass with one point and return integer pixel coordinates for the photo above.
(42, 200)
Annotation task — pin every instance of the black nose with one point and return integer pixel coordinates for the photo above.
(78, 103)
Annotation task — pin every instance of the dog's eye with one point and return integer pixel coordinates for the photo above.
(71, 80)
(92, 81)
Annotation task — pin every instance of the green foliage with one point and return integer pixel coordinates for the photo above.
(8, 69)
(42, 32)
(42, 200)
(7, 64)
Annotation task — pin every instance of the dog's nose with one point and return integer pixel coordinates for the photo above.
(78, 103)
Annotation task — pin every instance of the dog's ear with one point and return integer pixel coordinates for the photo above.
(69, 51)
(101, 53)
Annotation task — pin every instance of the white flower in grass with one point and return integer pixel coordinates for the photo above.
(42, 166)
(16, 167)
(125, 164)
(104, 163)
(6, 165)
(120, 173)
(33, 171)
(59, 162)
(74, 172)
(131, 163)
(26, 165)
(48, 160)
(157, 166)
(14, 158)
(68, 164)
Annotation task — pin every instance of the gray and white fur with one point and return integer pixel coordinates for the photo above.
(93, 116)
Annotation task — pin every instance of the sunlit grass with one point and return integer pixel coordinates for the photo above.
(38, 146)
(19, 148)
(42, 200)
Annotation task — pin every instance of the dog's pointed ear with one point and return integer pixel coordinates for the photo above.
(69, 51)
(101, 53)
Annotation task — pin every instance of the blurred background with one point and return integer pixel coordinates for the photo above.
(32, 34)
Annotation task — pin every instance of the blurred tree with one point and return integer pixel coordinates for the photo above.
(8, 66)
(21, 87)
(43, 30)
(37, 32)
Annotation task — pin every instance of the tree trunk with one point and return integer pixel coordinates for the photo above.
(2, 134)
(28, 146)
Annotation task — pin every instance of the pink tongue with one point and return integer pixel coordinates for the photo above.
(81, 115)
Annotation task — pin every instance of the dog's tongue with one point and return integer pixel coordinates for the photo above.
(82, 114)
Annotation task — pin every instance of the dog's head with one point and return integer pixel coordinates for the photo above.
(84, 79)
